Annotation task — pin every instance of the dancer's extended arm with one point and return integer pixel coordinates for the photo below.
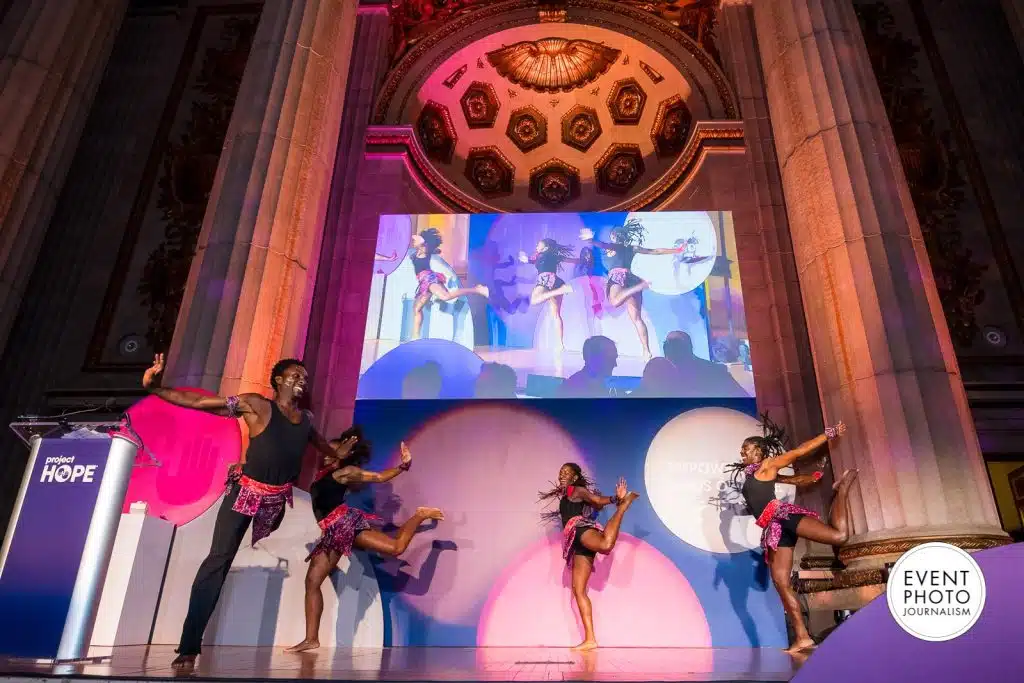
(659, 252)
(242, 405)
(597, 502)
(773, 465)
(799, 480)
(353, 474)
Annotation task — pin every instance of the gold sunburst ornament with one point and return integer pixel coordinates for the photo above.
(553, 65)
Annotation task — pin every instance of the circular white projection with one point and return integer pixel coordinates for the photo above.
(672, 275)
(689, 487)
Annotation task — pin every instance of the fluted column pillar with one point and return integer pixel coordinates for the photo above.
(882, 352)
(52, 57)
(247, 299)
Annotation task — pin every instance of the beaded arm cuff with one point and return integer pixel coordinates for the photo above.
(817, 476)
(232, 406)
(405, 466)
(831, 433)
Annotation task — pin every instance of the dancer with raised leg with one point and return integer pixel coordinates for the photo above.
(624, 286)
(783, 523)
(345, 528)
(257, 491)
(550, 288)
(429, 282)
(582, 537)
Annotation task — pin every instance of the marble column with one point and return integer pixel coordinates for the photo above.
(338, 315)
(250, 286)
(882, 352)
(52, 56)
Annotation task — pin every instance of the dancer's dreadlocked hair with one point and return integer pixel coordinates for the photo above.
(560, 251)
(432, 240)
(771, 443)
(556, 492)
(631, 234)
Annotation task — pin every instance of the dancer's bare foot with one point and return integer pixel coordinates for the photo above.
(304, 646)
(184, 664)
(629, 498)
(585, 646)
(644, 284)
(647, 355)
(430, 513)
(482, 290)
(802, 645)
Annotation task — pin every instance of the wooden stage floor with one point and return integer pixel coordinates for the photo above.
(428, 664)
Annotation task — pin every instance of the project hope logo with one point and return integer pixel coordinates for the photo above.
(61, 469)
(936, 592)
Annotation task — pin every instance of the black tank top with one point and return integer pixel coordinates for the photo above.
(621, 257)
(275, 455)
(326, 494)
(568, 508)
(547, 262)
(420, 263)
(758, 494)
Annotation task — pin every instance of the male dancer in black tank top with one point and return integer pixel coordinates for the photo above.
(258, 490)
(344, 528)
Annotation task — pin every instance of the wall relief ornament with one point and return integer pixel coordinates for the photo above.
(671, 127)
(490, 172)
(527, 128)
(932, 167)
(552, 65)
(626, 102)
(480, 105)
(619, 169)
(554, 183)
(436, 132)
(580, 127)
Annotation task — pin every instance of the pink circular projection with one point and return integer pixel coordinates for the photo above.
(640, 599)
(194, 450)
(484, 465)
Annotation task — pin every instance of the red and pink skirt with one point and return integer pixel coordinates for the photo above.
(575, 526)
(340, 529)
(427, 278)
(263, 502)
(771, 520)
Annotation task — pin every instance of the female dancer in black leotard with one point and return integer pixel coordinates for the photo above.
(550, 288)
(345, 528)
(783, 523)
(430, 282)
(624, 287)
(582, 536)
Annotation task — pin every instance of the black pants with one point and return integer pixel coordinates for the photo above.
(227, 537)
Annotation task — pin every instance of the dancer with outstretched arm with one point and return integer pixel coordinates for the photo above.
(258, 491)
(345, 528)
(550, 288)
(430, 283)
(624, 287)
(582, 537)
(783, 523)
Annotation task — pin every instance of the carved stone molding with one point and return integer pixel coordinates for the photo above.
(671, 127)
(840, 580)
(436, 132)
(554, 183)
(580, 127)
(619, 169)
(626, 102)
(480, 105)
(552, 65)
(527, 128)
(490, 172)
(897, 546)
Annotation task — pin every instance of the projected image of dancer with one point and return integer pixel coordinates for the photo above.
(624, 286)
(783, 523)
(582, 537)
(550, 288)
(345, 528)
(431, 283)
(258, 491)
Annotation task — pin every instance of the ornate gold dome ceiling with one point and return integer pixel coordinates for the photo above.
(543, 116)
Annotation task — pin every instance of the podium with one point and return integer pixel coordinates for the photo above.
(54, 557)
